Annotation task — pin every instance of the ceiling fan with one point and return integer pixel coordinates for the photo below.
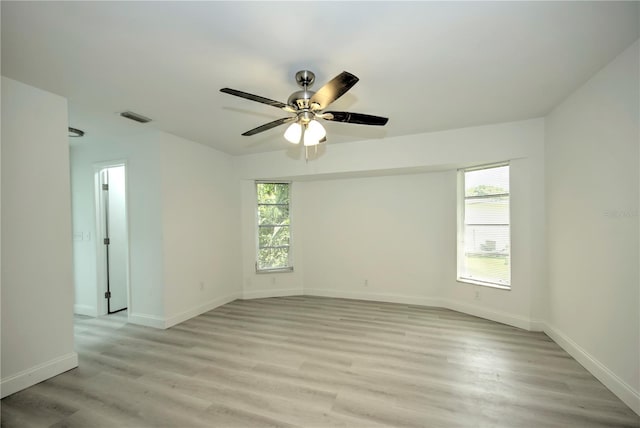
(308, 106)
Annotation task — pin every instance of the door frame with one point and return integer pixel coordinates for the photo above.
(101, 255)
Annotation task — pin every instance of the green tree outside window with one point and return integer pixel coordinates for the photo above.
(274, 221)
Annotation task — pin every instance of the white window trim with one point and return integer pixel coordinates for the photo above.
(460, 227)
(289, 267)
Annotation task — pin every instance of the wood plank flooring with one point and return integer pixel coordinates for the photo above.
(317, 362)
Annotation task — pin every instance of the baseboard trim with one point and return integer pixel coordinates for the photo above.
(281, 292)
(478, 311)
(146, 320)
(375, 297)
(620, 388)
(616, 385)
(186, 315)
(87, 310)
(37, 374)
(537, 325)
(501, 317)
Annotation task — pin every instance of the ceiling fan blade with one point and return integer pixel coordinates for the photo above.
(333, 90)
(362, 119)
(270, 125)
(252, 97)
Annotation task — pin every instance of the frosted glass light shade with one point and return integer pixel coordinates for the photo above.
(293, 133)
(314, 133)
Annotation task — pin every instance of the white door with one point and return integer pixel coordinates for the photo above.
(115, 234)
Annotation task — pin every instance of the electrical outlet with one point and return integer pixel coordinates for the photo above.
(366, 282)
(201, 285)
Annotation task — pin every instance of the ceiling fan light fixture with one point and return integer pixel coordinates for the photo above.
(293, 134)
(313, 133)
(308, 106)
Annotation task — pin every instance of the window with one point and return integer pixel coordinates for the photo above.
(484, 247)
(274, 227)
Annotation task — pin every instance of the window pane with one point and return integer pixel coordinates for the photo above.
(486, 268)
(272, 193)
(274, 233)
(273, 236)
(487, 211)
(486, 239)
(273, 214)
(484, 252)
(273, 258)
(490, 181)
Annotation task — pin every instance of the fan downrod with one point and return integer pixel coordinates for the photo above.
(299, 100)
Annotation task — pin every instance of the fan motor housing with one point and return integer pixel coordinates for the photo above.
(300, 99)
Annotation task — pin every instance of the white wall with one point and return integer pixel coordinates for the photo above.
(522, 306)
(258, 285)
(183, 226)
(342, 198)
(376, 238)
(37, 278)
(381, 211)
(592, 187)
(411, 153)
(201, 228)
(142, 154)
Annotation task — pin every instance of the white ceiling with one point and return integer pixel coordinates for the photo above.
(425, 65)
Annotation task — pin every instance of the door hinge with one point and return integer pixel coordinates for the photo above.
(105, 187)
(107, 295)
(107, 241)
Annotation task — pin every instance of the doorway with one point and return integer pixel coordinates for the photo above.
(113, 245)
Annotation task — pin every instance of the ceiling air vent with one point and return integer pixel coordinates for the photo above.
(135, 116)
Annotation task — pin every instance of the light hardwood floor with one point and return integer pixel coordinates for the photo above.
(318, 362)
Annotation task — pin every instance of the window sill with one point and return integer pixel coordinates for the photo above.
(484, 284)
(276, 270)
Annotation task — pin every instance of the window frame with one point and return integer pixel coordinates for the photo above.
(289, 267)
(460, 250)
